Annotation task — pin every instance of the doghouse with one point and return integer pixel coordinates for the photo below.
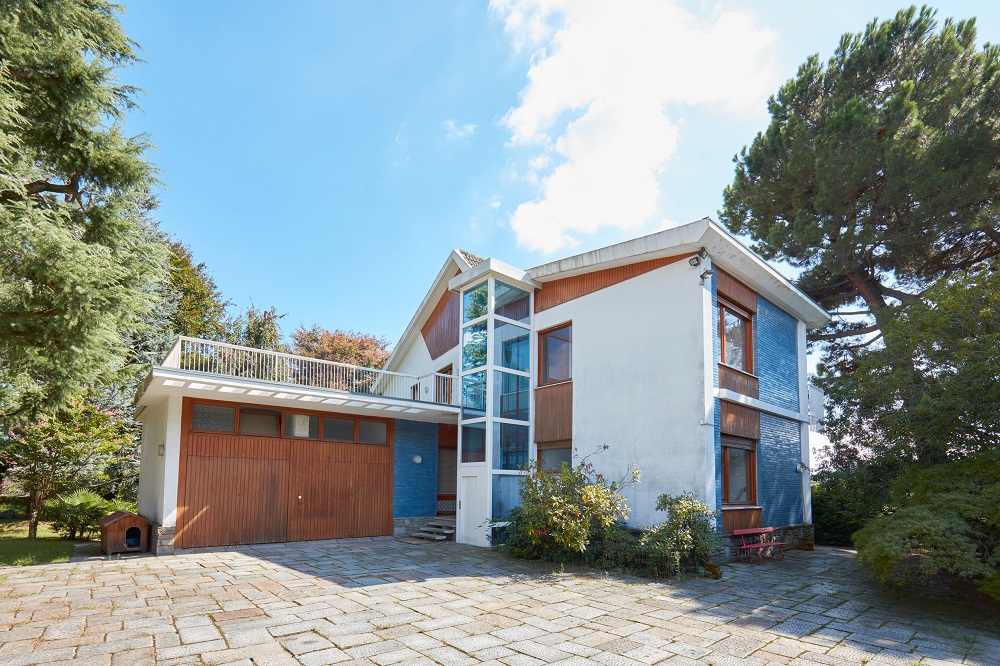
(124, 532)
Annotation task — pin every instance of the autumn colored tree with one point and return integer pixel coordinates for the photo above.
(368, 351)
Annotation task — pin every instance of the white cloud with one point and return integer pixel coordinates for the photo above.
(453, 130)
(595, 112)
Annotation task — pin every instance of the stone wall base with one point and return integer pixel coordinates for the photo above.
(404, 526)
(797, 536)
(163, 540)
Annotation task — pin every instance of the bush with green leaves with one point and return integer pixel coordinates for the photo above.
(686, 538)
(945, 522)
(76, 514)
(562, 511)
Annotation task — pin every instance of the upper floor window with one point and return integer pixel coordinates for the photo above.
(555, 355)
(736, 333)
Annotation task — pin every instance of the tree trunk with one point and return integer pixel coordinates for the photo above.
(34, 510)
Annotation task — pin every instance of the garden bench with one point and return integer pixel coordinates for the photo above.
(759, 541)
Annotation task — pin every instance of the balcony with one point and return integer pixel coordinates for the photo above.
(231, 369)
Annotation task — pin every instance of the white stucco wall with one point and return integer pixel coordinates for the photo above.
(639, 382)
(151, 463)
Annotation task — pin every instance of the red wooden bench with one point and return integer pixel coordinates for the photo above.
(759, 541)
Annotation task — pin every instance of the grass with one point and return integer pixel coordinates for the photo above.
(16, 549)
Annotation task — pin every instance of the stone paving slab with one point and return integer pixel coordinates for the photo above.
(388, 603)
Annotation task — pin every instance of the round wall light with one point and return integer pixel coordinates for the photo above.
(417, 460)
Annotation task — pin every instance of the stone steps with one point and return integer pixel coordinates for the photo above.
(438, 529)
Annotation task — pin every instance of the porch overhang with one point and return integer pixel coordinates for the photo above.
(162, 382)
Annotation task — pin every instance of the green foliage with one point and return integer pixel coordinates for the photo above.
(563, 511)
(838, 508)
(76, 513)
(367, 351)
(200, 311)
(68, 449)
(75, 195)
(945, 521)
(687, 536)
(257, 328)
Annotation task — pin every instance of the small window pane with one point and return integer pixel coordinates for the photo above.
(552, 459)
(214, 418)
(374, 432)
(474, 346)
(557, 355)
(739, 475)
(474, 395)
(511, 396)
(474, 443)
(506, 494)
(511, 346)
(259, 422)
(512, 303)
(301, 425)
(736, 339)
(474, 302)
(510, 448)
(339, 429)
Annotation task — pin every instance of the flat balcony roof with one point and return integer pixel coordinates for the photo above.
(221, 371)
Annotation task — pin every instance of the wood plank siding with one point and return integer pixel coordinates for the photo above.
(561, 291)
(738, 381)
(243, 489)
(733, 290)
(440, 331)
(740, 519)
(740, 420)
(554, 412)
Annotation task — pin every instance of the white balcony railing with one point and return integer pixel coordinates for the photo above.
(220, 358)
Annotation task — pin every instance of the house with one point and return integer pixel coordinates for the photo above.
(682, 351)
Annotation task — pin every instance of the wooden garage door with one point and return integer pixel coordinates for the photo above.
(238, 489)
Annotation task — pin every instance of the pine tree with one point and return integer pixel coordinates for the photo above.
(79, 266)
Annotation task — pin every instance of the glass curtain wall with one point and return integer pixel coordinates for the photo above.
(496, 386)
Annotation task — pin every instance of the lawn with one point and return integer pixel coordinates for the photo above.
(17, 550)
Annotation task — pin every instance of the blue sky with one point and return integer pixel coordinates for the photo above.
(325, 157)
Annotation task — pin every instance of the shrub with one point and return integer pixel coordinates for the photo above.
(76, 513)
(945, 522)
(686, 538)
(563, 511)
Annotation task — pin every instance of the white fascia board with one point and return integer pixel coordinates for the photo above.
(498, 269)
(732, 256)
(158, 389)
(733, 396)
(426, 305)
(666, 243)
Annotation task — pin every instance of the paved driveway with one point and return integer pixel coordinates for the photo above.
(386, 602)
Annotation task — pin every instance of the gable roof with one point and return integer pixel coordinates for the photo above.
(725, 250)
(459, 259)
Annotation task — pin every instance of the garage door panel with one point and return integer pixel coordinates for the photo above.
(242, 490)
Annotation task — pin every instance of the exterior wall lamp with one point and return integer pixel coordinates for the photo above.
(707, 274)
(694, 261)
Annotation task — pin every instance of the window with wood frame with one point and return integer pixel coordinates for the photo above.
(736, 336)
(739, 471)
(551, 455)
(555, 355)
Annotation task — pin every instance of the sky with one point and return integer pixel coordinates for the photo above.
(325, 157)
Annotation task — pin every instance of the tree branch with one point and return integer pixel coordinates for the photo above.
(846, 333)
(904, 296)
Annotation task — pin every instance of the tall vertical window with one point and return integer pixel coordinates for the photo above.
(736, 333)
(739, 471)
(555, 355)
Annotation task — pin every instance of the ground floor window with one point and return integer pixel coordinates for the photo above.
(739, 471)
(551, 455)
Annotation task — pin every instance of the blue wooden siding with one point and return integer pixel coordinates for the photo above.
(779, 484)
(414, 493)
(776, 355)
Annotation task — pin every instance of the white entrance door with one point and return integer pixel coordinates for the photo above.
(472, 511)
